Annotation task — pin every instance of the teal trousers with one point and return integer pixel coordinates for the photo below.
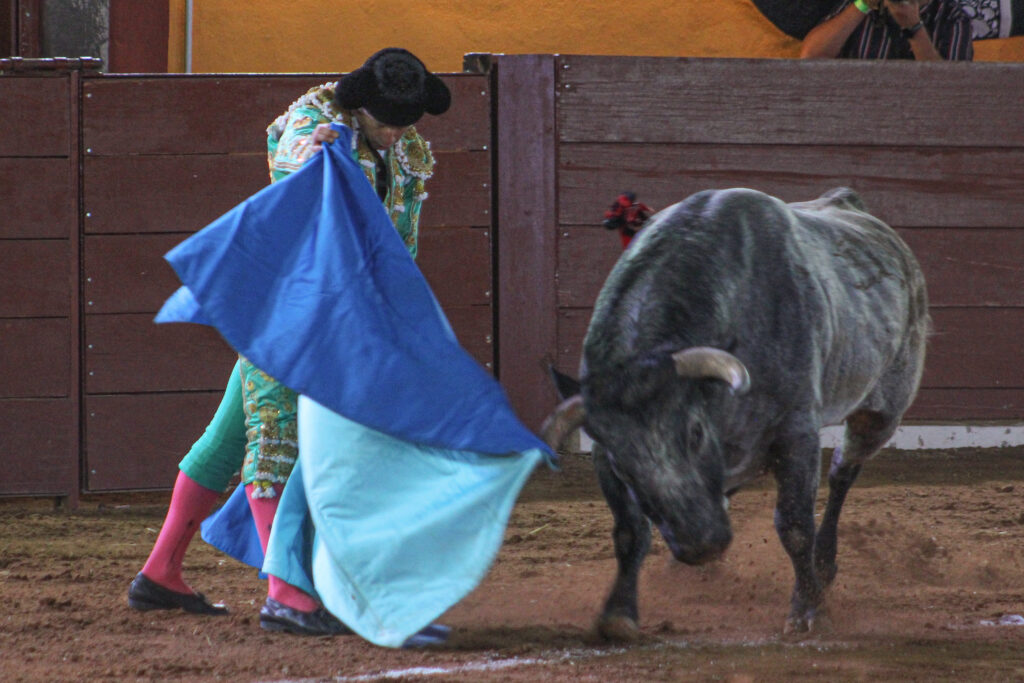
(218, 454)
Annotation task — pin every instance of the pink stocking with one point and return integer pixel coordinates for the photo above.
(190, 504)
(263, 511)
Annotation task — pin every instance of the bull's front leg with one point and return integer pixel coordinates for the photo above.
(797, 470)
(632, 537)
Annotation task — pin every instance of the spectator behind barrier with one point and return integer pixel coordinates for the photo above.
(925, 30)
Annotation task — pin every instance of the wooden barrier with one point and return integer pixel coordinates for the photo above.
(164, 156)
(39, 409)
(95, 397)
(934, 149)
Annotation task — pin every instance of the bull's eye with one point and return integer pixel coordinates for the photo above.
(696, 434)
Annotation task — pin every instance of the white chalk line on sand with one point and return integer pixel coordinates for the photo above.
(544, 659)
(469, 667)
(496, 665)
(555, 657)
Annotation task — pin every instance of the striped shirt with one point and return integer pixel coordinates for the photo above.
(878, 36)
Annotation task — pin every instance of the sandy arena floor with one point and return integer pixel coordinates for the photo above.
(930, 588)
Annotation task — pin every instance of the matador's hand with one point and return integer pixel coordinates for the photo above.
(321, 134)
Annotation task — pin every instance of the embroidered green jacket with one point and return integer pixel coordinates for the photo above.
(409, 162)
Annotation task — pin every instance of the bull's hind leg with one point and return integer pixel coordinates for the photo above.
(866, 433)
(632, 537)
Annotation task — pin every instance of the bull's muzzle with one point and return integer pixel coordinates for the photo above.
(709, 545)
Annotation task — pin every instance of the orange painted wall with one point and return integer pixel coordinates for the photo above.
(269, 36)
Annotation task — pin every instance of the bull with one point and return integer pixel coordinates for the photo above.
(721, 342)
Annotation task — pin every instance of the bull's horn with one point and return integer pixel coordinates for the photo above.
(705, 361)
(568, 416)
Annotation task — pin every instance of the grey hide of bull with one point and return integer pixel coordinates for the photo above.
(725, 337)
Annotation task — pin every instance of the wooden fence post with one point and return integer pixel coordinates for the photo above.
(526, 225)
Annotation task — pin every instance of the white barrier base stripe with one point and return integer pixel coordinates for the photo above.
(917, 437)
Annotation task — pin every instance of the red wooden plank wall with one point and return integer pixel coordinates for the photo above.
(131, 165)
(38, 308)
(138, 36)
(934, 149)
(164, 156)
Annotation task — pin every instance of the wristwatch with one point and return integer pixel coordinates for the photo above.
(909, 33)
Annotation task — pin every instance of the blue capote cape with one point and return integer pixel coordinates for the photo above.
(411, 456)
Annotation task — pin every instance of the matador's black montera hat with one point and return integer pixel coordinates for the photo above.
(394, 87)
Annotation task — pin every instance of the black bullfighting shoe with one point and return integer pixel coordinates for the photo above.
(435, 634)
(277, 617)
(145, 595)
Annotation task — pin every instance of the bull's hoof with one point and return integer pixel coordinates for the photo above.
(811, 621)
(618, 629)
(797, 626)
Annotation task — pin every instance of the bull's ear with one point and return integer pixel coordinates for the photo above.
(565, 385)
(710, 363)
